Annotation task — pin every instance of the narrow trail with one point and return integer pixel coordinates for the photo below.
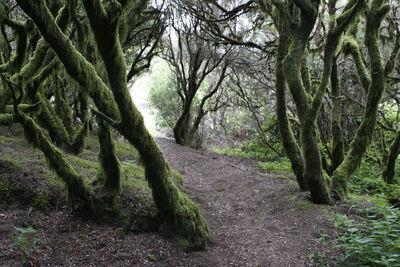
(255, 219)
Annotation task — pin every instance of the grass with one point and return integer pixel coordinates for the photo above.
(15, 149)
(269, 162)
(281, 166)
(132, 176)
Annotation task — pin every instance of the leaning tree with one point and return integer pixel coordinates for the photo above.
(95, 63)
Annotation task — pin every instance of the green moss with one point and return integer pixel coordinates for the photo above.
(62, 107)
(3, 12)
(177, 177)
(49, 120)
(376, 89)
(350, 46)
(78, 195)
(109, 164)
(180, 212)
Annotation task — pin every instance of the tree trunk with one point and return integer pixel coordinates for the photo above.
(78, 196)
(181, 128)
(363, 136)
(108, 160)
(307, 111)
(388, 172)
(337, 137)
(289, 142)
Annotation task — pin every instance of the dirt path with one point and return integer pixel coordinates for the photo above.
(256, 219)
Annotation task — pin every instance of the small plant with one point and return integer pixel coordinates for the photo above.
(24, 242)
(151, 257)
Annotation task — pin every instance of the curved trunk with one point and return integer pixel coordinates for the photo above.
(289, 142)
(78, 195)
(307, 111)
(375, 91)
(181, 128)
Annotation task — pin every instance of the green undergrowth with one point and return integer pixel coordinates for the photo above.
(251, 151)
(281, 166)
(368, 181)
(368, 233)
(268, 161)
(5, 140)
(14, 151)
(372, 238)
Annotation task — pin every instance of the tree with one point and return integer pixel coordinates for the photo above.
(109, 92)
(302, 35)
(193, 60)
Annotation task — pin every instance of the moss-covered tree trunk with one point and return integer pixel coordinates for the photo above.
(180, 212)
(289, 142)
(375, 13)
(78, 196)
(308, 107)
(109, 169)
(313, 165)
(388, 172)
(336, 118)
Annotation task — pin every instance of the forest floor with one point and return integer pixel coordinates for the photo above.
(255, 218)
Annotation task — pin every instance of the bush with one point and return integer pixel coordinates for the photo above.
(163, 97)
